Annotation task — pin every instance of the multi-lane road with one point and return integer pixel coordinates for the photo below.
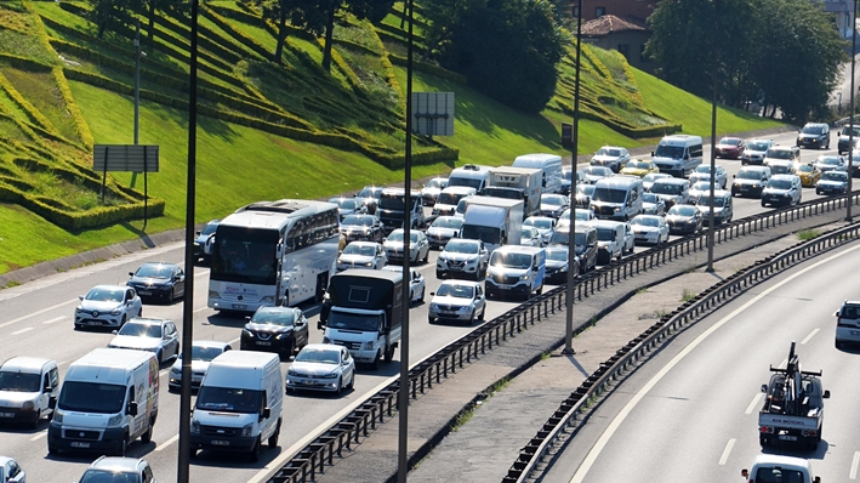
(37, 317)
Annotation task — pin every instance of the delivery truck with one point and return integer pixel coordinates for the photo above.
(494, 221)
(517, 184)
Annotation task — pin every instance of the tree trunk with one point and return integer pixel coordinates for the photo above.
(102, 27)
(282, 36)
(151, 28)
(326, 62)
(403, 17)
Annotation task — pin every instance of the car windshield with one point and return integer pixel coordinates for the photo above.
(638, 165)
(136, 329)
(362, 250)
(665, 151)
(557, 255)
(358, 220)
(154, 271)
(813, 130)
(319, 356)
(779, 154)
(758, 146)
(437, 183)
(540, 223)
(606, 234)
(343, 203)
(455, 290)
(583, 215)
(780, 169)
(645, 221)
(228, 399)
(448, 222)
(780, 184)
(654, 176)
(609, 195)
(510, 260)
(701, 185)
(705, 200)
(278, 316)
(778, 475)
(14, 381)
(529, 232)
(846, 131)
(834, 176)
(94, 475)
(750, 174)
(805, 168)
(105, 295)
(91, 397)
(830, 160)
(204, 354)
(649, 197)
(563, 238)
(368, 193)
(449, 198)
(210, 228)
(704, 168)
(683, 210)
(586, 189)
(397, 236)
(730, 141)
(666, 188)
(461, 246)
(614, 152)
(553, 200)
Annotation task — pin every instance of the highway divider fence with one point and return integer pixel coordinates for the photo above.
(313, 458)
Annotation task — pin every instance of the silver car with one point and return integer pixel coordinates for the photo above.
(530, 237)
(202, 353)
(848, 323)
(544, 225)
(322, 367)
(442, 230)
(430, 191)
(419, 247)
(153, 335)
(650, 229)
(612, 157)
(703, 173)
(417, 284)
(649, 179)
(653, 204)
(107, 306)
(458, 301)
(462, 257)
(349, 206)
(362, 254)
(11, 471)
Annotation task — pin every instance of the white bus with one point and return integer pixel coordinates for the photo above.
(273, 253)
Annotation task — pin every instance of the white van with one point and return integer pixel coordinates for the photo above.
(446, 202)
(239, 404)
(678, 155)
(550, 164)
(517, 270)
(28, 389)
(617, 197)
(470, 175)
(109, 398)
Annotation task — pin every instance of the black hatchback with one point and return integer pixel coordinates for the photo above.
(164, 282)
(283, 330)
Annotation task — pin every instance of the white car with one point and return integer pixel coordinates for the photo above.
(107, 306)
(653, 204)
(349, 206)
(458, 301)
(362, 254)
(700, 188)
(650, 178)
(11, 471)
(544, 225)
(530, 237)
(417, 284)
(593, 174)
(650, 229)
(462, 257)
(581, 215)
(612, 157)
(153, 335)
(442, 230)
(202, 353)
(322, 367)
(703, 173)
(553, 205)
(430, 191)
(419, 247)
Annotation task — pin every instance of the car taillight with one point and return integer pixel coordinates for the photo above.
(840, 324)
(809, 433)
(766, 429)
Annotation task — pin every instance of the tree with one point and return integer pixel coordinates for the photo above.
(110, 14)
(171, 7)
(507, 49)
(373, 10)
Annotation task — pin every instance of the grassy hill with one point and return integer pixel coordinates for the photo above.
(265, 131)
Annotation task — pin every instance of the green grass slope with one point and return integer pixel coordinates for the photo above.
(264, 131)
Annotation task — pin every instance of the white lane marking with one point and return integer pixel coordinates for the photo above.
(38, 312)
(754, 403)
(616, 423)
(39, 436)
(811, 335)
(167, 443)
(27, 329)
(201, 309)
(55, 319)
(854, 463)
(727, 452)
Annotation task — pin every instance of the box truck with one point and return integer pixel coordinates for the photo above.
(495, 221)
(517, 184)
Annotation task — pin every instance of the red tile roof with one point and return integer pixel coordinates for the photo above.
(610, 23)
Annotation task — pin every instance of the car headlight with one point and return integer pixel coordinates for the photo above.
(28, 405)
(57, 417)
(195, 426)
(116, 311)
(247, 333)
(326, 340)
(332, 375)
(617, 208)
(524, 276)
(368, 345)
(463, 309)
(214, 294)
(368, 264)
(787, 195)
(115, 420)
(247, 430)
(78, 309)
(339, 261)
(755, 185)
(283, 335)
(268, 299)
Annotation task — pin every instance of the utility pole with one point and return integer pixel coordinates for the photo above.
(851, 169)
(137, 84)
(716, 67)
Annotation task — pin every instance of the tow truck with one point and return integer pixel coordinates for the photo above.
(793, 410)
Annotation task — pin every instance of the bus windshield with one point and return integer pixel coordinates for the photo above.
(351, 321)
(244, 255)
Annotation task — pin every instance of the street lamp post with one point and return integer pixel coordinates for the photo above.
(137, 55)
(716, 67)
(850, 195)
(571, 241)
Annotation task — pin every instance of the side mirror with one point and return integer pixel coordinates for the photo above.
(745, 473)
(837, 314)
(817, 479)
(826, 394)
(130, 274)
(114, 332)
(432, 294)
(320, 325)
(197, 233)
(764, 388)
(132, 409)
(652, 153)
(734, 176)
(80, 297)
(265, 414)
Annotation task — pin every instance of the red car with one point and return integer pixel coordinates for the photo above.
(730, 148)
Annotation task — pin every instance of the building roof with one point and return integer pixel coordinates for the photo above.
(608, 24)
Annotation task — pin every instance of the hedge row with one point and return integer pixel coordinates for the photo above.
(20, 123)
(398, 161)
(89, 179)
(235, 33)
(81, 125)
(231, 58)
(356, 46)
(238, 15)
(35, 116)
(430, 69)
(354, 82)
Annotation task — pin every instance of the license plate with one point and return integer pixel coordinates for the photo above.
(504, 286)
(787, 437)
(311, 383)
(144, 292)
(94, 322)
(240, 306)
(7, 415)
(219, 442)
(853, 332)
(263, 342)
(79, 444)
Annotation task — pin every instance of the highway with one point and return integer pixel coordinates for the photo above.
(37, 321)
(691, 413)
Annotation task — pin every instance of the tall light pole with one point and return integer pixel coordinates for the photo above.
(716, 67)
(403, 391)
(850, 197)
(137, 54)
(183, 467)
(571, 242)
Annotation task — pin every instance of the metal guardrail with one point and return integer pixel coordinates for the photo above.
(314, 457)
(614, 369)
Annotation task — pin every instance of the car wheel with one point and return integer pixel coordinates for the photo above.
(483, 312)
(255, 451)
(123, 447)
(158, 356)
(426, 256)
(377, 361)
(351, 381)
(146, 437)
(430, 320)
(817, 192)
(421, 299)
(273, 439)
(763, 204)
(839, 344)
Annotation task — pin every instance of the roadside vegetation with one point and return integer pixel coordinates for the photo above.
(265, 130)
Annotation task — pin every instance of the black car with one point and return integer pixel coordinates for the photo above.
(684, 219)
(276, 329)
(369, 196)
(204, 241)
(361, 227)
(164, 282)
(814, 135)
(557, 265)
